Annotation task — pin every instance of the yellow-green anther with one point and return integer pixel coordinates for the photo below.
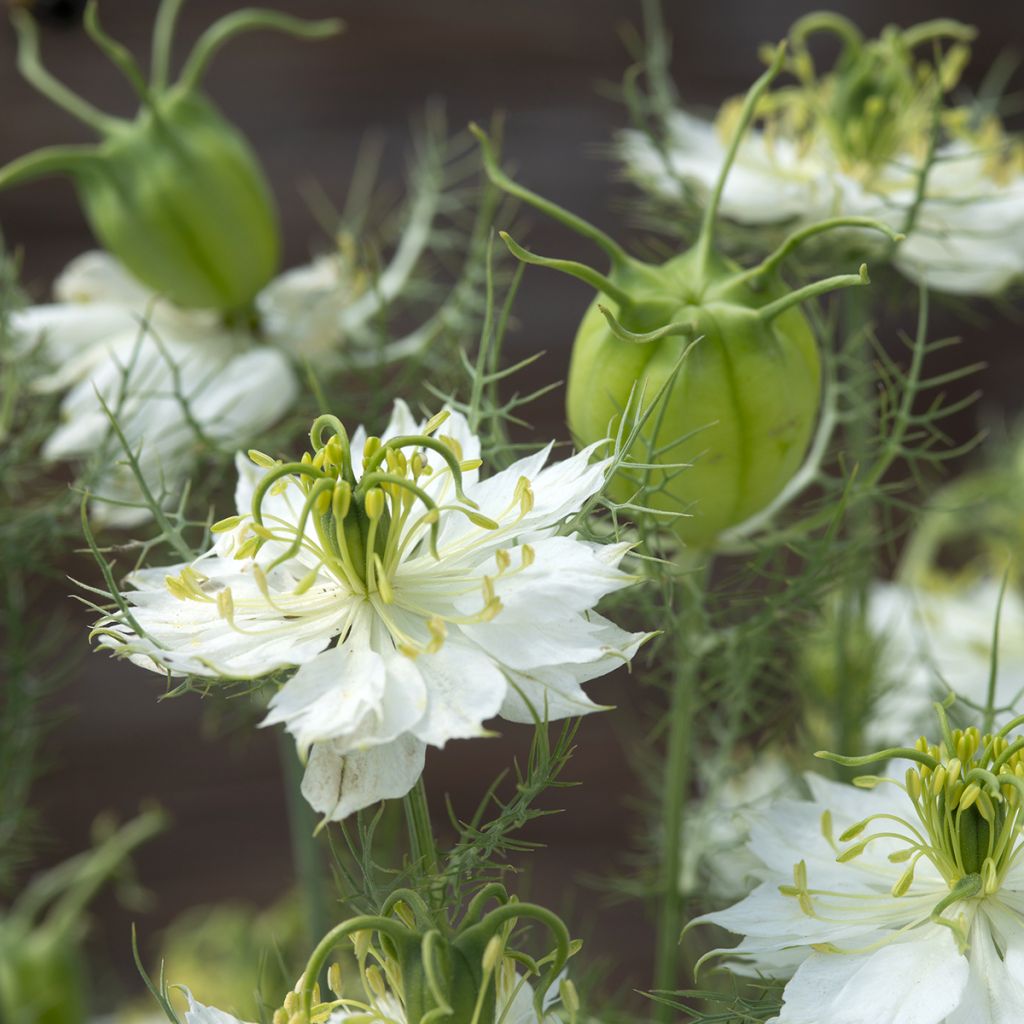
(374, 503)
(387, 595)
(938, 780)
(492, 954)
(223, 525)
(479, 519)
(260, 459)
(905, 880)
(969, 796)
(262, 532)
(248, 548)
(854, 830)
(334, 980)
(322, 503)
(371, 446)
(341, 500)
(436, 420)
(985, 807)
(913, 782)
(306, 582)
(852, 852)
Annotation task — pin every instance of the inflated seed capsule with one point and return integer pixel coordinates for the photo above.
(177, 194)
(727, 351)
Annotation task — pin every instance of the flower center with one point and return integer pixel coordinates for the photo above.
(352, 533)
(879, 102)
(966, 792)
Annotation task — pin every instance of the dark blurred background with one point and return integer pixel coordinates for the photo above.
(306, 107)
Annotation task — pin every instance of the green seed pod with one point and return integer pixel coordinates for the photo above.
(177, 194)
(725, 353)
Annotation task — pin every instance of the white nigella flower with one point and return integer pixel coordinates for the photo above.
(906, 905)
(937, 638)
(417, 600)
(858, 142)
(174, 379)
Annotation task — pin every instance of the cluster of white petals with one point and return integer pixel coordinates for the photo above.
(174, 379)
(474, 609)
(967, 230)
(858, 944)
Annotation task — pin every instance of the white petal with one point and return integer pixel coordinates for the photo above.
(337, 786)
(351, 695)
(995, 988)
(96, 276)
(555, 690)
(464, 689)
(917, 981)
(197, 1013)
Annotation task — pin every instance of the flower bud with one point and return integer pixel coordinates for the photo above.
(177, 195)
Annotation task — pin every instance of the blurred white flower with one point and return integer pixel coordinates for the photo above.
(967, 234)
(175, 380)
(913, 915)
(937, 639)
(874, 135)
(452, 600)
(716, 860)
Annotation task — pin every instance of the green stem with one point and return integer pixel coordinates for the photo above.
(853, 684)
(309, 864)
(707, 227)
(676, 790)
(422, 847)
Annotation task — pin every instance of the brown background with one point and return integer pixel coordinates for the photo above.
(306, 107)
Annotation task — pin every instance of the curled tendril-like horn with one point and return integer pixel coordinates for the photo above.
(117, 53)
(829, 284)
(594, 278)
(238, 22)
(32, 70)
(417, 441)
(500, 179)
(681, 328)
(906, 753)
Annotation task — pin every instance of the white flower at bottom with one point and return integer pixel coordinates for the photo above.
(173, 378)
(915, 913)
(452, 600)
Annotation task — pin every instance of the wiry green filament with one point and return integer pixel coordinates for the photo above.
(32, 70)
(239, 22)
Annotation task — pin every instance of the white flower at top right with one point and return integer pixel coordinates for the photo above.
(959, 198)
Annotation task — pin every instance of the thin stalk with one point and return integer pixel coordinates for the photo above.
(422, 847)
(309, 864)
(676, 789)
(852, 696)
